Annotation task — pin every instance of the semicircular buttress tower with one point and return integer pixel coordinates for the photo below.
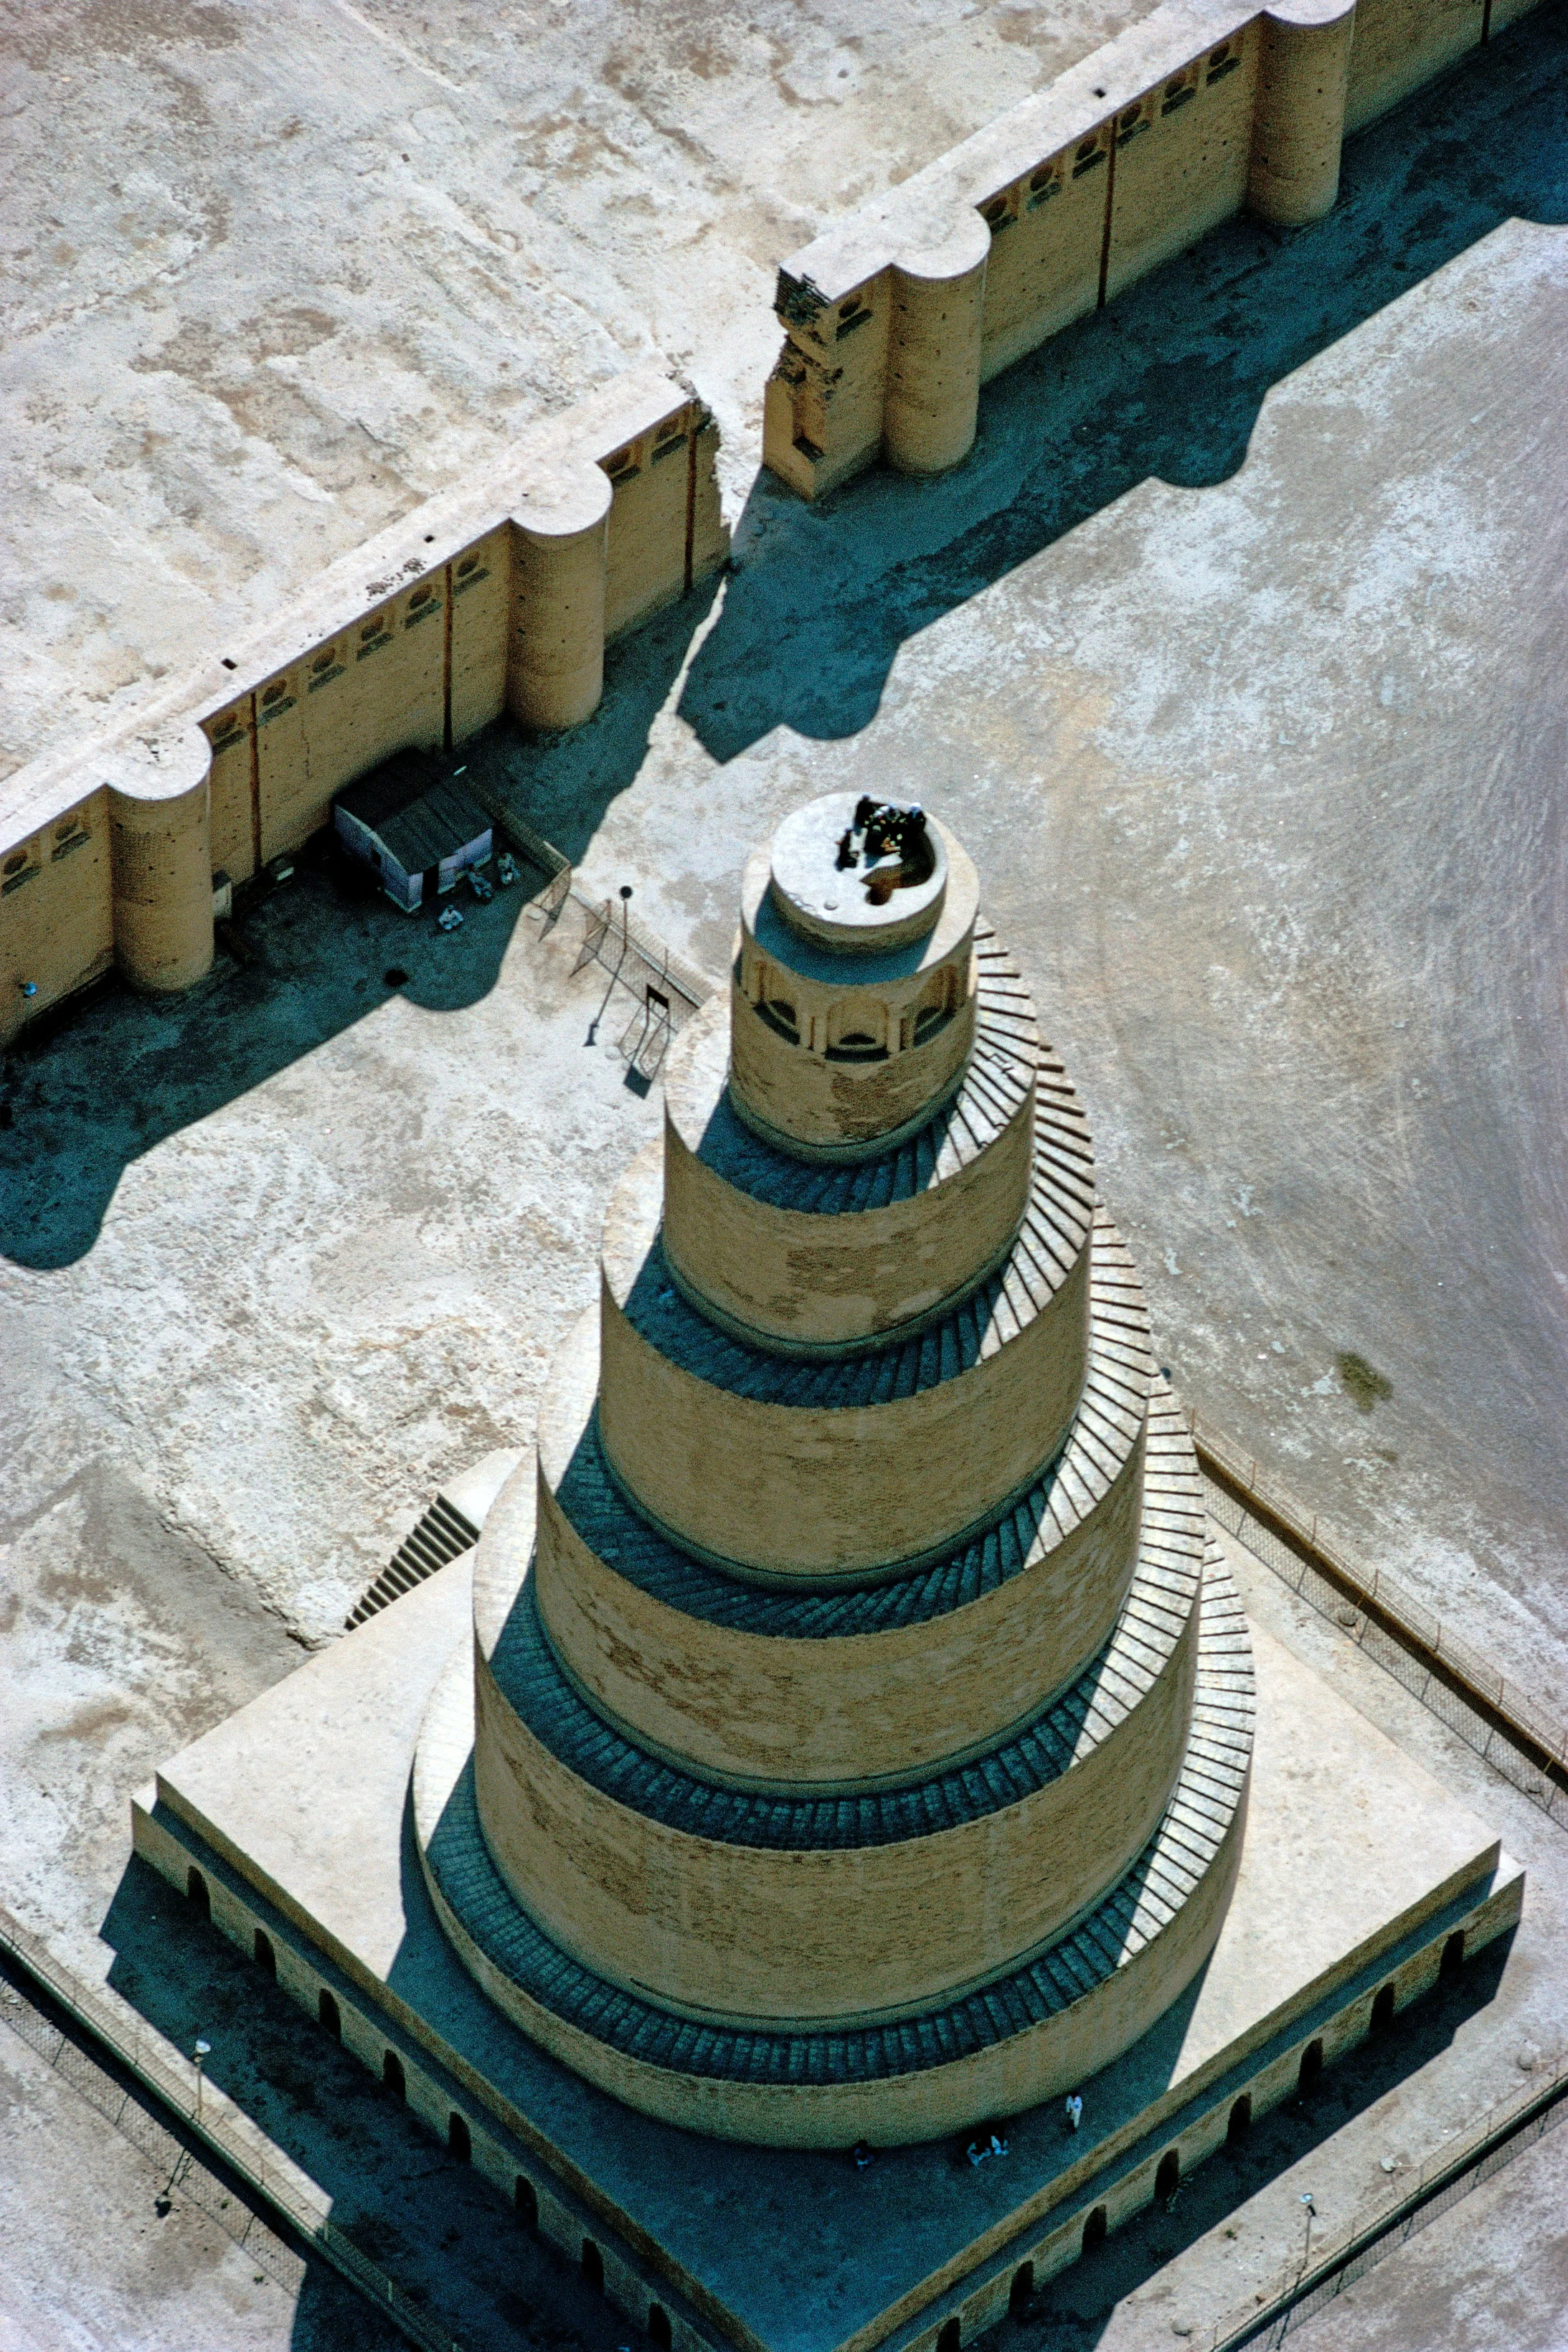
(860, 1720)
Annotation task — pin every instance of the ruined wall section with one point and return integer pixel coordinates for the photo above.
(896, 316)
(503, 596)
(499, 597)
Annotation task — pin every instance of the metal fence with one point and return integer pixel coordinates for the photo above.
(614, 938)
(612, 934)
(171, 2080)
(1505, 1725)
(1410, 2204)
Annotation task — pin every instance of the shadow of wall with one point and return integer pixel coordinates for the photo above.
(1165, 384)
(126, 1071)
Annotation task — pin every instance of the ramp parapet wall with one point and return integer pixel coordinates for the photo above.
(500, 596)
(897, 315)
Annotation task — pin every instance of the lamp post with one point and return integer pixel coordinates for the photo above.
(203, 2049)
(1311, 2214)
(625, 942)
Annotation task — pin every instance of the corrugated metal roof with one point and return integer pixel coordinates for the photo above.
(417, 814)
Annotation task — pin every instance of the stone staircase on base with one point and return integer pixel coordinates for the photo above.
(449, 1528)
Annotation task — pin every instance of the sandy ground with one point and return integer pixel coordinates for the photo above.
(327, 1366)
(1233, 654)
(1239, 2220)
(113, 2235)
(1497, 2282)
(117, 2231)
(275, 272)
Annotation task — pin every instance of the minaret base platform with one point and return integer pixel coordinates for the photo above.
(1358, 1872)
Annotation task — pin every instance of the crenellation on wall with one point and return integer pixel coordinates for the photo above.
(499, 595)
(479, 606)
(375, 686)
(231, 789)
(1181, 159)
(1042, 270)
(1125, 159)
(646, 556)
(56, 909)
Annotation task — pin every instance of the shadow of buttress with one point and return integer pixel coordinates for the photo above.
(1165, 383)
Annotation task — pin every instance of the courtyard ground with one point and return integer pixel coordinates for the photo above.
(1234, 655)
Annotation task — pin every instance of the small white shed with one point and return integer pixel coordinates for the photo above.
(416, 825)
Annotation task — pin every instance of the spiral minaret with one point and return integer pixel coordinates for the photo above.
(861, 1720)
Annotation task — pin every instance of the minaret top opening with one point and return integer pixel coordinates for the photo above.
(855, 874)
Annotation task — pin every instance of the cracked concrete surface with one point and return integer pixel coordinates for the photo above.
(1233, 654)
(273, 275)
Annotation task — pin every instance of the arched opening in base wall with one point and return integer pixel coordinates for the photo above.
(1453, 1959)
(525, 2197)
(659, 2327)
(393, 2075)
(1168, 2179)
(592, 2266)
(1022, 2288)
(327, 2013)
(459, 2140)
(1311, 2067)
(197, 1894)
(1094, 2229)
(266, 1957)
(1382, 2011)
(947, 2339)
(1240, 2122)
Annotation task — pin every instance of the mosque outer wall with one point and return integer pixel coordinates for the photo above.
(499, 597)
(1121, 2173)
(502, 597)
(898, 314)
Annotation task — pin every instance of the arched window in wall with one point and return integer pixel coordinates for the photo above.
(781, 1017)
(857, 1031)
(933, 1017)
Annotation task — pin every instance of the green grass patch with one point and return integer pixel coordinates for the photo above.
(1364, 1386)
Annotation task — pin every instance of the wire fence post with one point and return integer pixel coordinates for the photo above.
(1540, 1735)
